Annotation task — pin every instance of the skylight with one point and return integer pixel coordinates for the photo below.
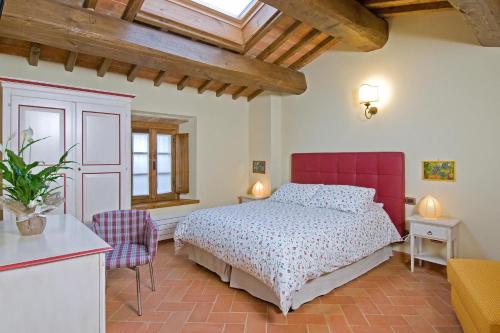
(234, 8)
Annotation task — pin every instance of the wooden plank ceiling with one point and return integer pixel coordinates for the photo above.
(266, 36)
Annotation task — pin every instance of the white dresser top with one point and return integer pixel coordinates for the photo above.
(64, 237)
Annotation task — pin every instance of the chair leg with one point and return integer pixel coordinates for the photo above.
(151, 273)
(139, 303)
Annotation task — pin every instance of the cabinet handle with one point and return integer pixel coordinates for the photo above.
(429, 233)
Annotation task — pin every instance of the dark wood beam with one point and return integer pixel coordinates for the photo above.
(51, 23)
(34, 54)
(273, 21)
(159, 78)
(203, 87)
(280, 40)
(222, 89)
(413, 9)
(90, 4)
(239, 92)
(183, 83)
(484, 17)
(133, 7)
(294, 49)
(69, 65)
(343, 19)
(132, 74)
(323, 46)
(103, 67)
(254, 94)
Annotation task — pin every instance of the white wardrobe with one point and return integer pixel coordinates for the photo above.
(97, 123)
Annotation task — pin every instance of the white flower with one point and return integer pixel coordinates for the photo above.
(27, 134)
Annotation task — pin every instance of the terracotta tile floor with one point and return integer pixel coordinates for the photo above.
(191, 299)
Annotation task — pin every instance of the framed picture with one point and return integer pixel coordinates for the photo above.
(259, 167)
(443, 171)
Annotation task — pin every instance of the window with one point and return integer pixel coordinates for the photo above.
(234, 8)
(160, 164)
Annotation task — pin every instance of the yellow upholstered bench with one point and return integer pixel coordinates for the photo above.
(475, 294)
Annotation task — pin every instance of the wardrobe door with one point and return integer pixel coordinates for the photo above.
(103, 176)
(54, 121)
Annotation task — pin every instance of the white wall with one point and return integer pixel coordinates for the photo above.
(440, 101)
(222, 157)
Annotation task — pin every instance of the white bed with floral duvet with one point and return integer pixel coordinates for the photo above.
(299, 235)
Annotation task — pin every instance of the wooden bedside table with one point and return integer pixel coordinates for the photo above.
(441, 229)
(249, 197)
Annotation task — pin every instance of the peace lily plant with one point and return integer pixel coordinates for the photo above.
(29, 194)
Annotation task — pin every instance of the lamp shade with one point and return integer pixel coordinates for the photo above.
(258, 189)
(429, 207)
(368, 94)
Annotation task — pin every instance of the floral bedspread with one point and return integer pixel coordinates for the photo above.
(285, 245)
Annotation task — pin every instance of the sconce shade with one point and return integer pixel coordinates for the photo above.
(258, 189)
(430, 208)
(368, 94)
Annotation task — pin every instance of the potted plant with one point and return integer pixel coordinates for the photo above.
(29, 194)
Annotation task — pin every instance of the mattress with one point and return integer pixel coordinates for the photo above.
(283, 245)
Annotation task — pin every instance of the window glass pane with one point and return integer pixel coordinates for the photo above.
(140, 164)
(141, 185)
(140, 142)
(234, 8)
(164, 183)
(164, 163)
(164, 143)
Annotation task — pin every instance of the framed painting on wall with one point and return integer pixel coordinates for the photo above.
(443, 171)
(259, 167)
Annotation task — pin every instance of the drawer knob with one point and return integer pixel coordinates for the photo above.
(429, 233)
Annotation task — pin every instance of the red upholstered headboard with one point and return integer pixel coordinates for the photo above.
(385, 172)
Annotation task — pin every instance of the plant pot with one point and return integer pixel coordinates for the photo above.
(35, 225)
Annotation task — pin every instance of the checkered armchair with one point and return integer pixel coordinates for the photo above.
(134, 238)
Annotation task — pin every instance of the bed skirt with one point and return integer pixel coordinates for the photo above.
(320, 286)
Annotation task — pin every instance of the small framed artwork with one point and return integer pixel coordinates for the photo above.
(443, 171)
(259, 167)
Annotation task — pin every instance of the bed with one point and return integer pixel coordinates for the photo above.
(290, 253)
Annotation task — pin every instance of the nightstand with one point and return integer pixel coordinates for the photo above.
(249, 197)
(443, 229)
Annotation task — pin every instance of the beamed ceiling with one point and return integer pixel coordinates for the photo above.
(184, 43)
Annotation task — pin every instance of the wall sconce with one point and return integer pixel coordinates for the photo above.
(368, 94)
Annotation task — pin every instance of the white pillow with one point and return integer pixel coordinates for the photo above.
(351, 199)
(292, 193)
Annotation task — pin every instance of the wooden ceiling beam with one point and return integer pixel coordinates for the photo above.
(323, 46)
(412, 9)
(239, 92)
(484, 17)
(254, 94)
(132, 74)
(91, 4)
(133, 7)
(51, 23)
(219, 92)
(34, 54)
(280, 40)
(343, 19)
(291, 52)
(183, 83)
(159, 78)
(70, 63)
(275, 19)
(203, 87)
(103, 67)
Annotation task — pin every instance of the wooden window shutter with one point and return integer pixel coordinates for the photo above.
(182, 163)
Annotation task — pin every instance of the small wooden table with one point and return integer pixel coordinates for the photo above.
(250, 197)
(441, 229)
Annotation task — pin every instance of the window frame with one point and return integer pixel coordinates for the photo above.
(153, 129)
